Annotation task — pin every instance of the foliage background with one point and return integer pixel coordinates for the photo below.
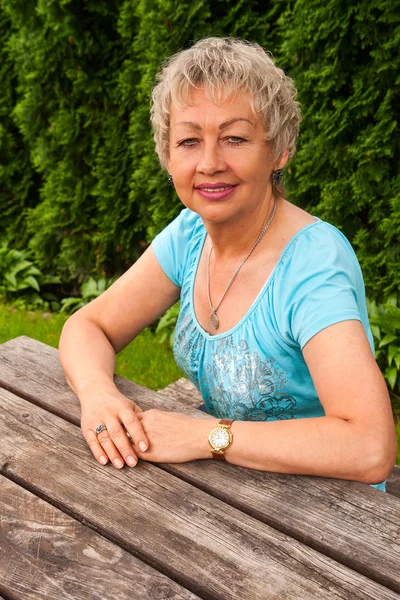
(80, 184)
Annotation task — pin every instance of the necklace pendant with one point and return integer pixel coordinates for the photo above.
(214, 321)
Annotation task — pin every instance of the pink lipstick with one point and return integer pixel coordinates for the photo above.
(215, 191)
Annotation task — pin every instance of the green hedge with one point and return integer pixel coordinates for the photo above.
(19, 184)
(345, 59)
(80, 182)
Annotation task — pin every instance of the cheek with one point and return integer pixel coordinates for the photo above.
(181, 167)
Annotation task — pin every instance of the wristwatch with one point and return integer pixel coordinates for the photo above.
(220, 438)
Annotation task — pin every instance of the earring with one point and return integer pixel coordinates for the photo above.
(170, 179)
(277, 176)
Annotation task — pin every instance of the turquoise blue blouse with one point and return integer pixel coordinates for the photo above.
(256, 370)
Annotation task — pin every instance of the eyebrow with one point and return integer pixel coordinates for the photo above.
(197, 127)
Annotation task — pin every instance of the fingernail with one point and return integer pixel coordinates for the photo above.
(143, 446)
(118, 463)
(131, 461)
(103, 460)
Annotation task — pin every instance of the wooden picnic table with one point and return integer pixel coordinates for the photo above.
(73, 529)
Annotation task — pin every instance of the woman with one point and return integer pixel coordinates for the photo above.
(273, 326)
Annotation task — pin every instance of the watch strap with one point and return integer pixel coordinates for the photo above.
(226, 421)
(218, 454)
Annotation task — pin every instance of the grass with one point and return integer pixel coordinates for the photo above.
(144, 361)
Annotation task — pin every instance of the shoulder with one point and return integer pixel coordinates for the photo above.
(302, 228)
(319, 260)
(318, 245)
(175, 246)
(182, 228)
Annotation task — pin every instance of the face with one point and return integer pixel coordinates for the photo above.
(219, 161)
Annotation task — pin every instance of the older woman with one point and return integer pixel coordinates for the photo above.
(273, 326)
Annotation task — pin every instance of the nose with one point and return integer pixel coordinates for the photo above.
(211, 159)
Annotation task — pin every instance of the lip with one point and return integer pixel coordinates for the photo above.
(218, 184)
(204, 190)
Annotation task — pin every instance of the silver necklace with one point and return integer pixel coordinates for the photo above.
(214, 321)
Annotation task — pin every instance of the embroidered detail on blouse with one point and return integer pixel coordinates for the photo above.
(236, 383)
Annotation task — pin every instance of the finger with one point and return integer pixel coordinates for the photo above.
(134, 428)
(137, 409)
(117, 445)
(95, 446)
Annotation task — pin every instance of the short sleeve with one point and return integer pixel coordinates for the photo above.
(172, 245)
(321, 284)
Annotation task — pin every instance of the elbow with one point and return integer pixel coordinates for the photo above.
(66, 332)
(378, 462)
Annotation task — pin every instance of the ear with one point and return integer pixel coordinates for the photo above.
(283, 160)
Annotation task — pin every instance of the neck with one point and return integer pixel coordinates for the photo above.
(231, 240)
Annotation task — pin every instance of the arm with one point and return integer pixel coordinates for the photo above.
(354, 440)
(90, 340)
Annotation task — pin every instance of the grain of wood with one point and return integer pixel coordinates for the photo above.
(205, 545)
(393, 482)
(184, 394)
(46, 554)
(32, 370)
(322, 513)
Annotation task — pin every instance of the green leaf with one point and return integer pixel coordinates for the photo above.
(32, 282)
(34, 270)
(102, 285)
(376, 332)
(392, 300)
(89, 288)
(71, 305)
(372, 309)
(397, 360)
(387, 340)
(12, 280)
(21, 265)
(49, 279)
(391, 376)
(392, 351)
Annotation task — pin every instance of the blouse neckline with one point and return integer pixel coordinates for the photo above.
(252, 307)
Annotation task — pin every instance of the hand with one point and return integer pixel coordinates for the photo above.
(175, 437)
(119, 415)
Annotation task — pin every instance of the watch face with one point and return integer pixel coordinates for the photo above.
(220, 438)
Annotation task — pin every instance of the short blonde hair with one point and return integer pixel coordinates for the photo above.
(225, 66)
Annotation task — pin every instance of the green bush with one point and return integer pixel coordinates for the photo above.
(346, 63)
(19, 184)
(70, 115)
(81, 107)
(21, 281)
(90, 290)
(385, 326)
(79, 180)
(166, 325)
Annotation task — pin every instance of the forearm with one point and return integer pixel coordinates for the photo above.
(325, 446)
(87, 357)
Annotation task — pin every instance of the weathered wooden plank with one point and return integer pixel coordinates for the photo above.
(46, 554)
(33, 371)
(360, 525)
(184, 394)
(202, 543)
(393, 482)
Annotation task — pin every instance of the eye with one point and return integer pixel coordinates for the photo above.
(234, 140)
(189, 142)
